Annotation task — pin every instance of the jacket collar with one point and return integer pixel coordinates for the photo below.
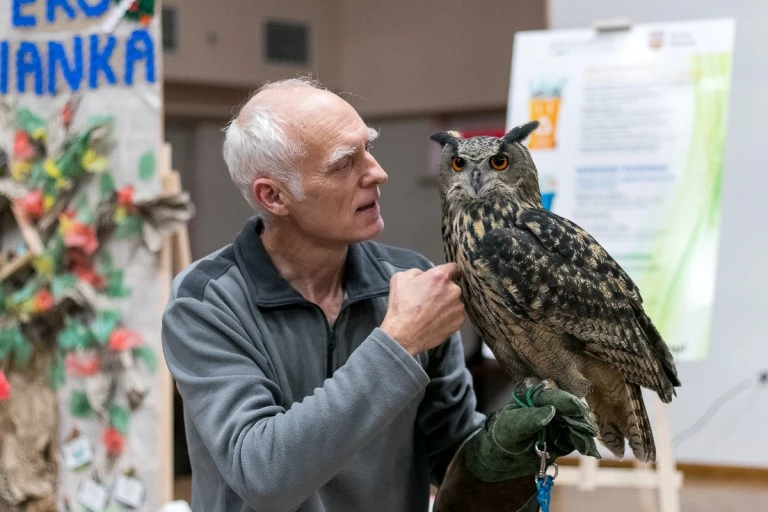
(363, 276)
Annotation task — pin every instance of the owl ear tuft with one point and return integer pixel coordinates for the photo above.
(519, 133)
(449, 137)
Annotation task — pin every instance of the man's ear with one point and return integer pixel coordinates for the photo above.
(270, 195)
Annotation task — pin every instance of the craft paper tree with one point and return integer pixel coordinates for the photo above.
(58, 274)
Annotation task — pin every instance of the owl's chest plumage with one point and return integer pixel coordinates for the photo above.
(463, 232)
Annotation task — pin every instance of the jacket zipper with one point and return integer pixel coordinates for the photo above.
(331, 332)
(331, 348)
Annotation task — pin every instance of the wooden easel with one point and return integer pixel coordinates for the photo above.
(660, 487)
(175, 255)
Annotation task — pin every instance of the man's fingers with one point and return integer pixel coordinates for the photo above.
(450, 269)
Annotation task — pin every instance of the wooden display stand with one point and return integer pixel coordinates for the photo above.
(664, 481)
(174, 256)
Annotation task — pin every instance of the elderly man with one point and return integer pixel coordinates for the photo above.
(321, 371)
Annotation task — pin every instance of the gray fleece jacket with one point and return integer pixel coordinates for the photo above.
(285, 412)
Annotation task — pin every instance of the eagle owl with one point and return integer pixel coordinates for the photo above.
(544, 295)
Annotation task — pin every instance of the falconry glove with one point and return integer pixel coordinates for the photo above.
(495, 468)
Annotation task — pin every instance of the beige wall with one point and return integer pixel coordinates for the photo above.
(394, 57)
(405, 57)
(237, 56)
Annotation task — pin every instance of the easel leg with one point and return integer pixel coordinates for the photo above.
(646, 496)
(668, 485)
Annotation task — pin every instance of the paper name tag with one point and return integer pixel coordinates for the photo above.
(93, 495)
(77, 453)
(128, 491)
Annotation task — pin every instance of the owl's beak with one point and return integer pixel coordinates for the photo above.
(476, 180)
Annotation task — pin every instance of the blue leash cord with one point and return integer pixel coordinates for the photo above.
(544, 482)
(543, 491)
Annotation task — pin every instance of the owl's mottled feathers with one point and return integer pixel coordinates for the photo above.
(544, 295)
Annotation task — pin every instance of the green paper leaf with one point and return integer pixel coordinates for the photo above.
(58, 376)
(68, 161)
(106, 185)
(81, 203)
(115, 287)
(70, 165)
(10, 338)
(25, 293)
(79, 405)
(104, 324)
(49, 187)
(96, 122)
(22, 353)
(74, 335)
(119, 417)
(147, 356)
(61, 283)
(147, 166)
(28, 121)
(131, 226)
(106, 261)
(3, 307)
(56, 251)
(37, 177)
(84, 211)
(144, 7)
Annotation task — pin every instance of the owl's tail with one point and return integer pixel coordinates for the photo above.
(620, 415)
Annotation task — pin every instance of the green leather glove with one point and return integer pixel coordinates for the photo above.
(497, 464)
(504, 448)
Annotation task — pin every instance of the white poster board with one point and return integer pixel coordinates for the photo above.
(65, 64)
(630, 147)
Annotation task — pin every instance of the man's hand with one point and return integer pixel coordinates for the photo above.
(504, 448)
(424, 307)
(494, 470)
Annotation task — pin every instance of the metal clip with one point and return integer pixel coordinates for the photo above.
(543, 456)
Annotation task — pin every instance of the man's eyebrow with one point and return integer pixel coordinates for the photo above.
(340, 154)
(372, 134)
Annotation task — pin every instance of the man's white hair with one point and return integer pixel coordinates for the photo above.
(255, 145)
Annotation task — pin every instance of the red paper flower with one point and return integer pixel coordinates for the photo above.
(134, 7)
(66, 114)
(81, 236)
(82, 364)
(22, 147)
(123, 339)
(90, 276)
(125, 195)
(43, 301)
(5, 387)
(32, 203)
(113, 442)
(81, 265)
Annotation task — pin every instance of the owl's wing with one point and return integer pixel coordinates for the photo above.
(554, 273)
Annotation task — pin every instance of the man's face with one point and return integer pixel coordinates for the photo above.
(340, 176)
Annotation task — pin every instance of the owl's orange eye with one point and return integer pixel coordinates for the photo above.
(499, 162)
(458, 163)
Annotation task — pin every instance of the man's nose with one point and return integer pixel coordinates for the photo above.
(374, 174)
